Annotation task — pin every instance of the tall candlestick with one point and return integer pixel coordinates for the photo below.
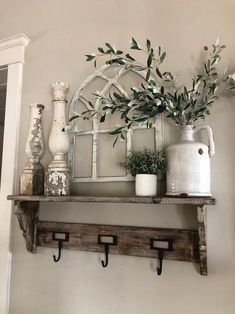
(57, 180)
(32, 179)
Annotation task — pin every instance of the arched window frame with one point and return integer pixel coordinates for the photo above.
(95, 131)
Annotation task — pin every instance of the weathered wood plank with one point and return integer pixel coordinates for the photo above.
(197, 201)
(27, 214)
(133, 241)
(201, 219)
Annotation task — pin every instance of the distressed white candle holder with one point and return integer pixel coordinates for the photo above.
(57, 181)
(32, 179)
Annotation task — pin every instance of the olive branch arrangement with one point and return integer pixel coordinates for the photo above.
(158, 93)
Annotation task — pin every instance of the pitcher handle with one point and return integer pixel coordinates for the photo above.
(210, 137)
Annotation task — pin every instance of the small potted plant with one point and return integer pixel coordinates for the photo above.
(145, 165)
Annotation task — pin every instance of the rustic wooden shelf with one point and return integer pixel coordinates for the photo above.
(189, 245)
(105, 199)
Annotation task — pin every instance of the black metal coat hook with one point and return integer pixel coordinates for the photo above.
(60, 237)
(160, 256)
(106, 251)
(56, 259)
(161, 245)
(106, 240)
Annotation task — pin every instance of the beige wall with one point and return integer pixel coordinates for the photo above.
(62, 32)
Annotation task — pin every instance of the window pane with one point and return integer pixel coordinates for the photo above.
(131, 79)
(83, 156)
(3, 89)
(80, 123)
(113, 120)
(109, 157)
(143, 138)
(3, 76)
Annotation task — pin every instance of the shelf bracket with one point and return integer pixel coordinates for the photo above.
(27, 214)
(201, 221)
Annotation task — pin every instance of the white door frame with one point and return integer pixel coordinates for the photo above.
(12, 55)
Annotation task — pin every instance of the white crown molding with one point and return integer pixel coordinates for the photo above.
(12, 49)
(14, 41)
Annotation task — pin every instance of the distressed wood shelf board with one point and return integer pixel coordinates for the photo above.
(105, 199)
(131, 240)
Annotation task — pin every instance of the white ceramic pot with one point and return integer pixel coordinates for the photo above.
(188, 164)
(146, 185)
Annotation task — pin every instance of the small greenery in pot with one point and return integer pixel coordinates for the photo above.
(144, 162)
(145, 165)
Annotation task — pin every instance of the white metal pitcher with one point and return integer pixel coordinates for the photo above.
(188, 164)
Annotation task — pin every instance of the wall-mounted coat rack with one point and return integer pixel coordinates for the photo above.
(174, 244)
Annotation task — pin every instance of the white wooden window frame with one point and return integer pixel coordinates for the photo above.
(110, 81)
(11, 55)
